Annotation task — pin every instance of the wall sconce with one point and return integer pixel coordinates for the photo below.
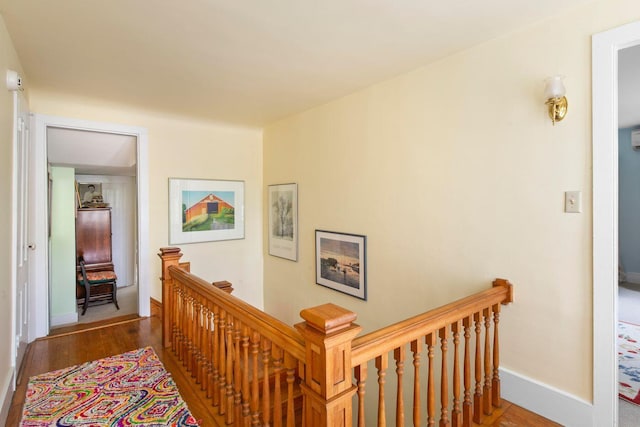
(556, 101)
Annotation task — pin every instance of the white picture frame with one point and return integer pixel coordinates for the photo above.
(205, 210)
(283, 221)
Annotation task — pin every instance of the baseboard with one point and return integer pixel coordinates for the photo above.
(632, 277)
(6, 396)
(64, 319)
(545, 400)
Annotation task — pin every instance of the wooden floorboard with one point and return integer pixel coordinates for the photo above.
(82, 327)
(90, 342)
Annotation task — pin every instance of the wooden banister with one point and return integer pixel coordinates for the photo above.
(254, 367)
(390, 337)
(280, 333)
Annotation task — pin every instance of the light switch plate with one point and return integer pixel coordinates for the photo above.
(573, 201)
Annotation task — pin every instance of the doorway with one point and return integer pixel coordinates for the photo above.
(78, 160)
(40, 295)
(605, 48)
(629, 230)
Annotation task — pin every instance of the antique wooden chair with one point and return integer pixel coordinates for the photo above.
(98, 281)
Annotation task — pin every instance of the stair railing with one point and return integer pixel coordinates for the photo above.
(254, 368)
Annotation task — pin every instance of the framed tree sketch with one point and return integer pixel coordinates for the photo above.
(204, 210)
(283, 221)
(340, 262)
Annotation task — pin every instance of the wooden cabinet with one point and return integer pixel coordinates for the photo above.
(93, 235)
(96, 281)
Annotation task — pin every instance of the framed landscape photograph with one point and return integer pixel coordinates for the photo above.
(202, 210)
(283, 221)
(340, 262)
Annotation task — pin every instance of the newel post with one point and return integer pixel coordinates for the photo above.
(169, 257)
(328, 387)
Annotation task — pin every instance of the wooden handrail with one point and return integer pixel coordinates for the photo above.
(278, 332)
(368, 346)
(257, 370)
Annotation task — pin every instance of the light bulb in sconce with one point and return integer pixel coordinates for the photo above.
(554, 92)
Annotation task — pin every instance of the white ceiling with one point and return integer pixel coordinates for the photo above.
(245, 62)
(92, 153)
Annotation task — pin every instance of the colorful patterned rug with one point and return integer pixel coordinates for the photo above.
(130, 389)
(629, 362)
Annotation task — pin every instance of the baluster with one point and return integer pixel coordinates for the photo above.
(290, 366)
(229, 380)
(361, 379)
(204, 342)
(209, 355)
(197, 357)
(237, 371)
(255, 389)
(467, 406)
(193, 322)
(215, 358)
(399, 355)
(477, 397)
(186, 327)
(487, 363)
(222, 363)
(175, 332)
(266, 350)
(416, 348)
(188, 324)
(245, 376)
(444, 379)
(456, 414)
(276, 353)
(430, 340)
(382, 363)
(177, 328)
(497, 400)
(202, 359)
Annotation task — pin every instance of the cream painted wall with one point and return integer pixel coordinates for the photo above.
(456, 176)
(184, 148)
(62, 245)
(8, 60)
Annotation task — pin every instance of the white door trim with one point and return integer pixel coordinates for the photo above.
(39, 304)
(605, 47)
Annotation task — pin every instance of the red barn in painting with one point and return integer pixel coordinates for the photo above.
(209, 205)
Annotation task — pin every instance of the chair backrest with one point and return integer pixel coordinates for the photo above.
(100, 266)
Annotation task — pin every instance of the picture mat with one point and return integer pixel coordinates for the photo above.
(326, 244)
(283, 246)
(177, 189)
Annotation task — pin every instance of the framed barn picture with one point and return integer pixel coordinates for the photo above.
(283, 221)
(202, 210)
(341, 262)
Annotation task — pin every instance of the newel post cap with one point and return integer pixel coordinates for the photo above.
(328, 318)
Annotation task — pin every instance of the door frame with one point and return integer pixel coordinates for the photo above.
(604, 67)
(39, 268)
(19, 231)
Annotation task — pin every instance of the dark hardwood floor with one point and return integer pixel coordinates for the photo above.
(84, 343)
